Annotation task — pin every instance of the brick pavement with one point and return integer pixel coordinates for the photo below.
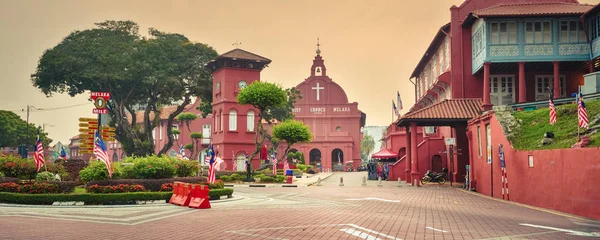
(326, 212)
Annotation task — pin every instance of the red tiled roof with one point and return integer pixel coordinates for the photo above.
(533, 9)
(463, 108)
(164, 114)
(243, 54)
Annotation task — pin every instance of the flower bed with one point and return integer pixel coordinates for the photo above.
(36, 188)
(153, 185)
(121, 188)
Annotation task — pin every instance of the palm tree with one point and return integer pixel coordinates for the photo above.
(367, 145)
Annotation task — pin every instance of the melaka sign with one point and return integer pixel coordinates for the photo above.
(321, 110)
(100, 101)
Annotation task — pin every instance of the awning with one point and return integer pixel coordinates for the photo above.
(384, 153)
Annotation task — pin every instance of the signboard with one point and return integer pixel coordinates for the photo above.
(85, 152)
(489, 154)
(89, 125)
(100, 101)
(501, 155)
(94, 120)
(450, 141)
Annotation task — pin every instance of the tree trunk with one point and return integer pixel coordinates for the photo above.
(172, 116)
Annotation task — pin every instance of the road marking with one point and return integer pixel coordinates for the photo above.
(378, 199)
(435, 229)
(242, 232)
(587, 224)
(569, 231)
(359, 234)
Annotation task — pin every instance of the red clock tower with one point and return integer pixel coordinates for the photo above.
(234, 125)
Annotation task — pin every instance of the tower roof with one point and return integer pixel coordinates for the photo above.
(239, 54)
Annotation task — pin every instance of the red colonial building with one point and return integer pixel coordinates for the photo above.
(507, 53)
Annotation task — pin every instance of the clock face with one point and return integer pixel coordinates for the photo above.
(218, 86)
(242, 84)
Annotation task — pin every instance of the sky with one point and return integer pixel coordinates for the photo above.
(370, 48)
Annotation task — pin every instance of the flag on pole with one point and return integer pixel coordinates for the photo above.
(63, 154)
(38, 154)
(233, 161)
(399, 102)
(100, 152)
(552, 107)
(394, 109)
(286, 166)
(582, 113)
(181, 153)
(211, 165)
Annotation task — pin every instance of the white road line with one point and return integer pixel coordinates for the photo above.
(309, 226)
(569, 231)
(369, 230)
(359, 234)
(587, 224)
(378, 199)
(435, 229)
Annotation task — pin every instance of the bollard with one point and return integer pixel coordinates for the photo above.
(379, 184)
(341, 181)
(364, 184)
(399, 183)
(319, 181)
(416, 183)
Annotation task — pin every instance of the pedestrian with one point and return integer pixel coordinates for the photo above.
(379, 170)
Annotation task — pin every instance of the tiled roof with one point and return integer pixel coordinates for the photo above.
(463, 108)
(245, 55)
(533, 9)
(384, 153)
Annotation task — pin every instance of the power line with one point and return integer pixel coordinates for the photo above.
(59, 108)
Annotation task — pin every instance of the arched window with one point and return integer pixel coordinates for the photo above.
(250, 121)
(232, 120)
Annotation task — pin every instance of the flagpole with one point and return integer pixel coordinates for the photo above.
(577, 98)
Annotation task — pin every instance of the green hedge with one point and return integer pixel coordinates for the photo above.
(97, 199)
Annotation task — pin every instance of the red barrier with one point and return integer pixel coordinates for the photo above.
(199, 197)
(183, 192)
(176, 192)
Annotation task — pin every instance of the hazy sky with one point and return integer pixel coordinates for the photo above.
(370, 47)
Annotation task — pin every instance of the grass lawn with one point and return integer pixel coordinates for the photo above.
(535, 123)
(79, 190)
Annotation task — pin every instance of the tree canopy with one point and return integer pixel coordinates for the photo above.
(291, 132)
(367, 145)
(13, 131)
(155, 71)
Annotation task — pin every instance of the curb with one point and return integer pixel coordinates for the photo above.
(567, 215)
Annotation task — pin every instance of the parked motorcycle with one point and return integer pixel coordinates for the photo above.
(438, 177)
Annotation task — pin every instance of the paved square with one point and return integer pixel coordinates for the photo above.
(325, 212)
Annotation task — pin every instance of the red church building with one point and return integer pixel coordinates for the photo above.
(510, 54)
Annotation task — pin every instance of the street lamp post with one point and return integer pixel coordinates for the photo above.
(26, 150)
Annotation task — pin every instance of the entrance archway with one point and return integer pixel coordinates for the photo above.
(115, 157)
(315, 157)
(337, 159)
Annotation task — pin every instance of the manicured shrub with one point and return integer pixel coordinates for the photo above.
(236, 177)
(97, 171)
(150, 184)
(45, 177)
(121, 188)
(87, 198)
(66, 186)
(153, 167)
(13, 166)
(216, 193)
(72, 168)
(301, 167)
(185, 168)
(225, 178)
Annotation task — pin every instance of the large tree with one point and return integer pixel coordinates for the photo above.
(13, 131)
(264, 97)
(159, 70)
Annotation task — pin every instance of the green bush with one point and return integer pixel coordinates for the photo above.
(185, 168)
(87, 198)
(225, 178)
(45, 177)
(153, 167)
(13, 166)
(214, 193)
(236, 177)
(97, 171)
(279, 178)
(35, 188)
(301, 167)
(121, 188)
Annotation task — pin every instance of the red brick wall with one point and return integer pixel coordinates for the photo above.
(560, 179)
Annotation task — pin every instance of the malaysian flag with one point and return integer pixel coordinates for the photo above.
(100, 152)
(211, 165)
(38, 154)
(399, 102)
(286, 166)
(582, 113)
(63, 154)
(233, 161)
(181, 153)
(552, 108)
(394, 109)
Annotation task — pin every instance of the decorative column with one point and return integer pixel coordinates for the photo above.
(408, 155)
(522, 85)
(487, 105)
(556, 79)
(414, 154)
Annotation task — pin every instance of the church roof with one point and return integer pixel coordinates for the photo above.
(449, 110)
(239, 54)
